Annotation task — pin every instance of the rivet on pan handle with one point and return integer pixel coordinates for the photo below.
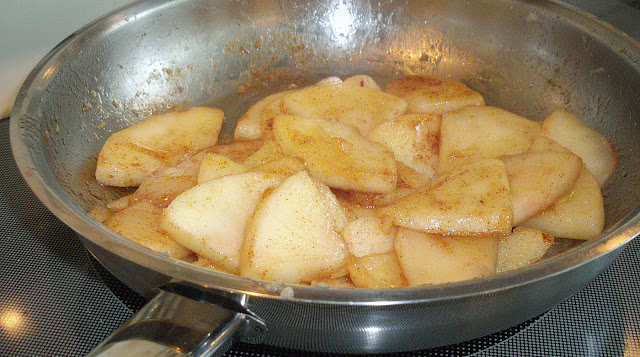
(183, 320)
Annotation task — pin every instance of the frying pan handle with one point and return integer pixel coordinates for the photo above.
(172, 324)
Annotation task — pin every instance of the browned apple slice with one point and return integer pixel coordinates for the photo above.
(336, 154)
(286, 165)
(141, 223)
(594, 149)
(342, 282)
(268, 152)
(164, 184)
(472, 200)
(131, 154)
(238, 150)
(543, 143)
(367, 235)
(256, 122)
(100, 213)
(414, 140)
(408, 177)
(211, 218)
(361, 80)
(579, 214)
(538, 179)
(363, 107)
(369, 199)
(215, 165)
(433, 259)
(377, 271)
(294, 235)
(481, 132)
(428, 94)
(521, 248)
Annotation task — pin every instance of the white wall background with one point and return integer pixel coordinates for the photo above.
(30, 28)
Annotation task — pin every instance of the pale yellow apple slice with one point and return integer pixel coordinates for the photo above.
(269, 158)
(414, 140)
(363, 107)
(592, 147)
(256, 122)
(207, 263)
(141, 224)
(131, 154)
(215, 165)
(268, 152)
(521, 248)
(472, 200)
(336, 154)
(361, 80)
(369, 199)
(428, 94)
(330, 81)
(434, 259)
(482, 132)
(408, 177)
(238, 150)
(354, 211)
(538, 179)
(285, 165)
(163, 185)
(543, 143)
(100, 213)
(336, 213)
(341, 282)
(211, 218)
(293, 237)
(366, 236)
(579, 214)
(377, 271)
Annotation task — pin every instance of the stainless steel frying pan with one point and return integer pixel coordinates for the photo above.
(528, 57)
